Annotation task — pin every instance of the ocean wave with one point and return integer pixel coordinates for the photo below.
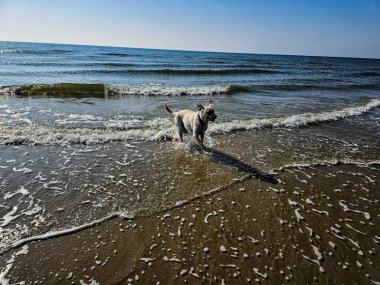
(8, 51)
(313, 87)
(160, 129)
(37, 52)
(74, 65)
(164, 90)
(113, 64)
(115, 54)
(103, 90)
(42, 135)
(176, 71)
(60, 89)
(58, 51)
(293, 120)
(370, 73)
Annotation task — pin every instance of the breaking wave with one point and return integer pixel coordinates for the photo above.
(298, 120)
(36, 52)
(8, 51)
(164, 90)
(162, 128)
(103, 90)
(175, 71)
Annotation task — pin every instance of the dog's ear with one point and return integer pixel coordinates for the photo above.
(211, 104)
(200, 106)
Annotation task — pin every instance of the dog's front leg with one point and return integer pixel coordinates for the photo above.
(200, 141)
(202, 136)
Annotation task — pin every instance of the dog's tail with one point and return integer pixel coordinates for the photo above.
(168, 109)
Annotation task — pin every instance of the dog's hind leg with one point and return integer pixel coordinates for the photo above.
(180, 133)
(181, 128)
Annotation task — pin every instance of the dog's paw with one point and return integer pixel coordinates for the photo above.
(182, 146)
(206, 151)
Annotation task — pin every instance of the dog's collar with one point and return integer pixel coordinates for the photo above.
(201, 121)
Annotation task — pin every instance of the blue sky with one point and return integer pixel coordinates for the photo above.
(331, 28)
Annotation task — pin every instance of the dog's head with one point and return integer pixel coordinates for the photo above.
(207, 113)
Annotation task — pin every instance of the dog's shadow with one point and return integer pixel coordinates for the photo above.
(230, 161)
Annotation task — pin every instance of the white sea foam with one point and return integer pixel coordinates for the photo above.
(294, 120)
(9, 217)
(8, 51)
(63, 136)
(9, 265)
(52, 234)
(158, 128)
(167, 90)
(6, 91)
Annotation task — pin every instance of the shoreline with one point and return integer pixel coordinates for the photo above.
(249, 232)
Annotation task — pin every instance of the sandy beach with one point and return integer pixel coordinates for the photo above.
(313, 228)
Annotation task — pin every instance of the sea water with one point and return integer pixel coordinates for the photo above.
(84, 135)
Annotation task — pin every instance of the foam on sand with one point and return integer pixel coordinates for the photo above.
(10, 262)
(72, 230)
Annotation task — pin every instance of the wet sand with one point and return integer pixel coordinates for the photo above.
(318, 226)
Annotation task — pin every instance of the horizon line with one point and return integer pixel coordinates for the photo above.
(182, 50)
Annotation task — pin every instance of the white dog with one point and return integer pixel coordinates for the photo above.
(194, 123)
